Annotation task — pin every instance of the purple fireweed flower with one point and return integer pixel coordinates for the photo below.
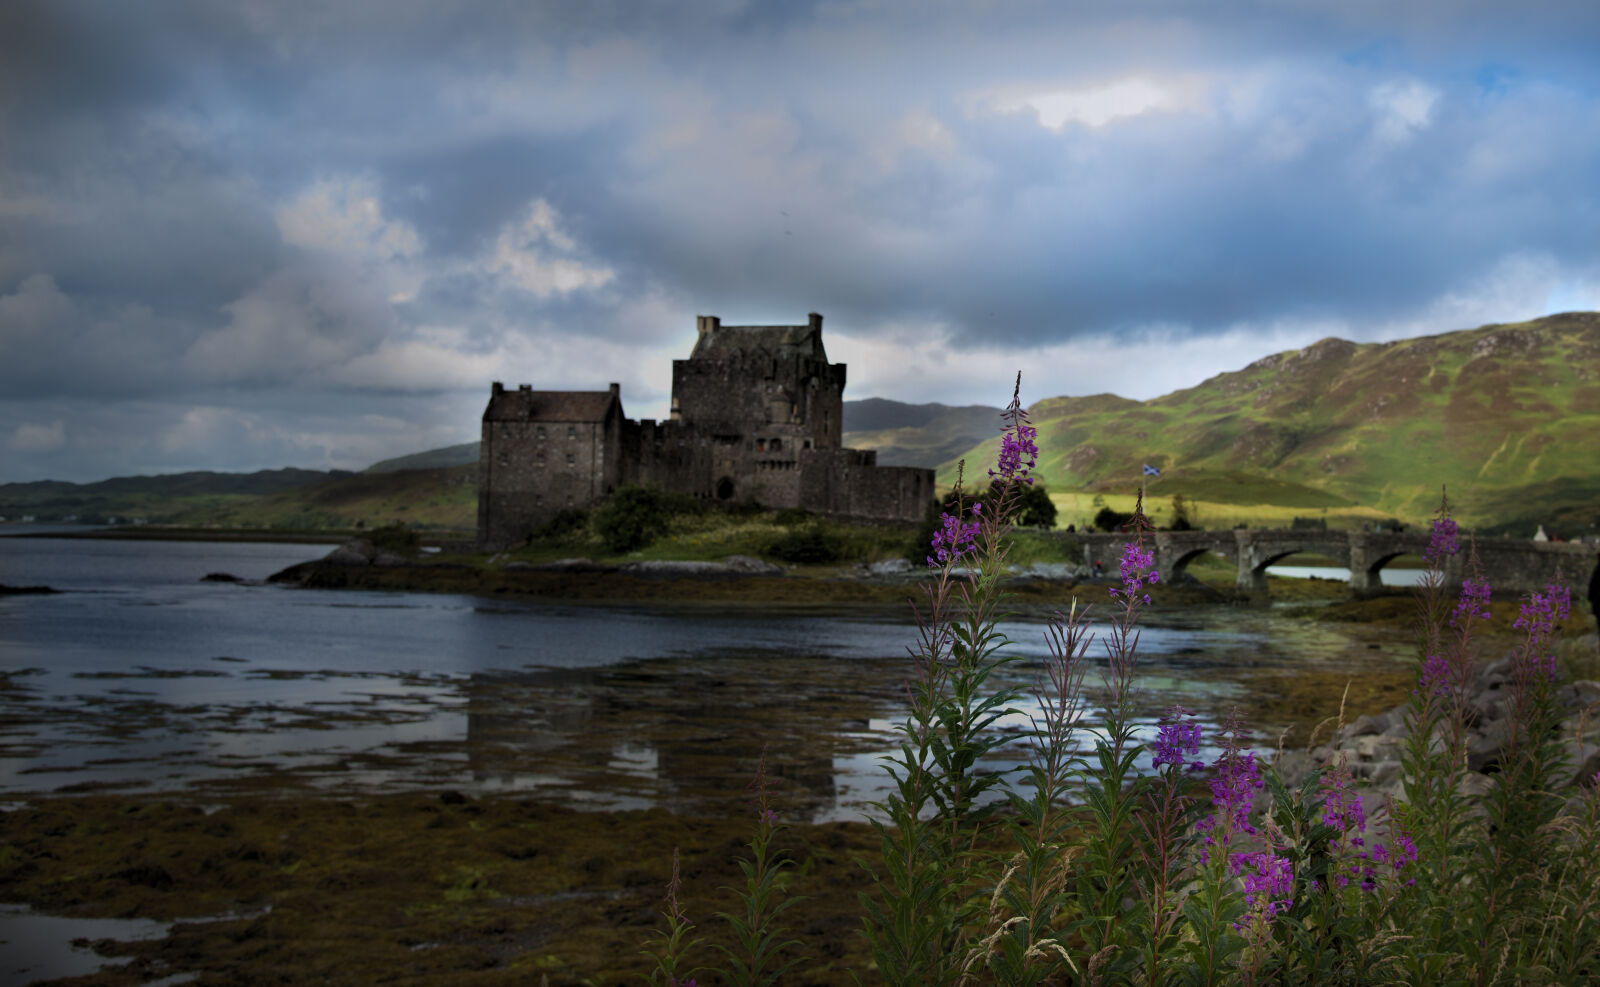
(1018, 453)
(1232, 794)
(1342, 811)
(1539, 615)
(1542, 611)
(954, 538)
(1138, 569)
(1177, 740)
(1474, 601)
(1442, 542)
(1436, 676)
(1268, 882)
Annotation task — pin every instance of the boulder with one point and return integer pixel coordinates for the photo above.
(752, 566)
(220, 577)
(1058, 571)
(889, 567)
(354, 552)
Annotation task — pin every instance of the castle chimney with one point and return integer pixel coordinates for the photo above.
(496, 389)
(616, 389)
(525, 387)
(707, 323)
(816, 322)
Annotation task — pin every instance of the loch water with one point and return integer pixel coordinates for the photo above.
(139, 677)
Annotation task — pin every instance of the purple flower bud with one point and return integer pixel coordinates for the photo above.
(1474, 601)
(1442, 542)
(1177, 740)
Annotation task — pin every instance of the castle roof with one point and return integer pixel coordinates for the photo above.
(720, 342)
(525, 404)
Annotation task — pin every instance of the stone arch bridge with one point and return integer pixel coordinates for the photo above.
(1512, 565)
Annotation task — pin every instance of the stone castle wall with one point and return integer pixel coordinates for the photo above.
(757, 415)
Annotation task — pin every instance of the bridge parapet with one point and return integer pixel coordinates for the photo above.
(1512, 565)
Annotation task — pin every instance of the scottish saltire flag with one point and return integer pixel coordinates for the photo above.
(1151, 470)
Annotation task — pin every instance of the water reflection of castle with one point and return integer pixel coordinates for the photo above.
(638, 732)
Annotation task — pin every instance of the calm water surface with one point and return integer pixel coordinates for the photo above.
(140, 677)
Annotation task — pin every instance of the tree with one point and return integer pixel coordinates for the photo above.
(1180, 514)
(1111, 520)
(1031, 506)
(633, 517)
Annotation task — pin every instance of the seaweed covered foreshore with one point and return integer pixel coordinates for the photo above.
(436, 888)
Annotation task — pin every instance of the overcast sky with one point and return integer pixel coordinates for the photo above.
(257, 234)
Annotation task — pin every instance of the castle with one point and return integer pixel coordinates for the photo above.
(756, 415)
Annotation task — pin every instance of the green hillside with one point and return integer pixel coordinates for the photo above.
(154, 498)
(433, 459)
(429, 498)
(916, 434)
(1508, 416)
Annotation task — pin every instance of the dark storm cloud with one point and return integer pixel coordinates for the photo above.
(232, 220)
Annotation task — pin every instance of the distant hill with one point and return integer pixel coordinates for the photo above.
(1506, 416)
(425, 498)
(152, 497)
(445, 458)
(916, 434)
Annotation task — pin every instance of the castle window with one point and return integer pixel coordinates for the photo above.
(571, 459)
(505, 431)
(761, 445)
(540, 432)
(572, 431)
(776, 445)
(807, 444)
(505, 460)
(539, 459)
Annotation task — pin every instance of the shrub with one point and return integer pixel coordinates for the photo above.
(567, 521)
(790, 516)
(1315, 523)
(742, 508)
(394, 538)
(811, 545)
(1111, 520)
(633, 517)
(1030, 503)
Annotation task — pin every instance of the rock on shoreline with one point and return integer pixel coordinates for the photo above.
(1372, 745)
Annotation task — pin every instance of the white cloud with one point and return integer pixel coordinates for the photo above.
(535, 254)
(1098, 105)
(30, 437)
(344, 215)
(1401, 110)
